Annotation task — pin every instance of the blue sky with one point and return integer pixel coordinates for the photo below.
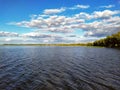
(58, 21)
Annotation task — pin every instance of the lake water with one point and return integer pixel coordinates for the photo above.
(59, 68)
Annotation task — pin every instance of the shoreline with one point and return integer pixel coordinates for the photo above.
(43, 45)
(66, 45)
(52, 45)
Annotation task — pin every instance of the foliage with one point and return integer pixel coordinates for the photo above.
(109, 41)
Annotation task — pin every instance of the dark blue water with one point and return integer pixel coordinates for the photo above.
(59, 68)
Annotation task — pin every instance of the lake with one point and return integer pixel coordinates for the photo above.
(59, 68)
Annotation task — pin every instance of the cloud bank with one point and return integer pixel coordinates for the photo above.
(54, 27)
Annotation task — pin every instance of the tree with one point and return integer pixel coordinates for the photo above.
(109, 41)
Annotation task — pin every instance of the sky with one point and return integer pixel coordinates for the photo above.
(57, 21)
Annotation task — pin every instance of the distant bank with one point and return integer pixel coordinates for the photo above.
(112, 41)
(78, 44)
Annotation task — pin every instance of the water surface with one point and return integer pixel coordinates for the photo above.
(59, 68)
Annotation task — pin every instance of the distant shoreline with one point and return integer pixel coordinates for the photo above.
(43, 45)
(67, 45)
(60, 45)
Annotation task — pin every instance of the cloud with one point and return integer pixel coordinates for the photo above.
(53, 11)
(51, 38)
(94, 25)
(72, 35)
(105, 13)
(98, 33)
(18, 40)
(108, 6)
(79, 7)
(103, 28)
(8, 34)
(48, 38)
(84, 16)
(36, 35)
(60, 10)
(8, 39)
(54, 23)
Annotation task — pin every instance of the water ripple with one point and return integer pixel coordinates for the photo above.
(59, 68)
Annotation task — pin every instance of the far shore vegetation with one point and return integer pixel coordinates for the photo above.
(78, 44)
(112, 41)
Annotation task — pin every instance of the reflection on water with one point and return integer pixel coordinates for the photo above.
(59, 68)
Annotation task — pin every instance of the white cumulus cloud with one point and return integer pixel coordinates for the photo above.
(94, 25)
(53, 11)
(79, 7)
(107, 6)
(8, 34)
(105, 13)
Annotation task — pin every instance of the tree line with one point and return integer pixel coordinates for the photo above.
(109, 41)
